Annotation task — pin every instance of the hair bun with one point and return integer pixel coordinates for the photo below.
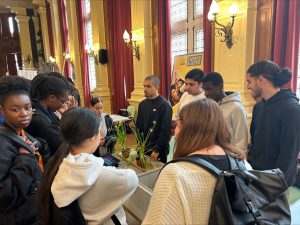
(283, 76)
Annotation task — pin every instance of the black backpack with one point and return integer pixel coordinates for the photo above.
(246, 197)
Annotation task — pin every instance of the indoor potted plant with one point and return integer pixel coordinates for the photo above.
(121, 139)
(142, 145)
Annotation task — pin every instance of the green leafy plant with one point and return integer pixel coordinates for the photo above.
(142, 145)
(121, 136)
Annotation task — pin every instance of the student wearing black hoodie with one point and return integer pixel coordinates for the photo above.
(276, 141)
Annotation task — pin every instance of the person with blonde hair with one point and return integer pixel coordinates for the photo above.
(183, 192)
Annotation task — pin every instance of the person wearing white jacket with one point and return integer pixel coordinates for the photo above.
(99, 190)
(231, 106)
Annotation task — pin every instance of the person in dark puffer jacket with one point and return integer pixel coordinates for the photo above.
(20, 161)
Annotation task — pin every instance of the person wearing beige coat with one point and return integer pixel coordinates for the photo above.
(183, 192)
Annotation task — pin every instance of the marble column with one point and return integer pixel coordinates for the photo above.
(75, 51)
(99, 41)
(44, 28)
(141, 17)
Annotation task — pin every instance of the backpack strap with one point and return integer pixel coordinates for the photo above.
(236, 164)
(115, 219)
(199, 162)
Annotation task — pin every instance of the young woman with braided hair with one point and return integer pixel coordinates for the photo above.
(49, 93)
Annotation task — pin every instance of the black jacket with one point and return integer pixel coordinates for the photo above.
(158, 110)
(20, 175)
(45, 124)
(276, 141)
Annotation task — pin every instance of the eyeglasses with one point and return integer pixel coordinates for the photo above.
(63, 101)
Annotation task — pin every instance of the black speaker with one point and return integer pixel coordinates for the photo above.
(102, 56)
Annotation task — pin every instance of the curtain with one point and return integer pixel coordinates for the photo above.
(50, 31)
(207, 37)
(84, 57)
(64, 34)
(286, 37)
(164, 46)
(121, 61)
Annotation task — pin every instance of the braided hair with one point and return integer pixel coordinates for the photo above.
(52, 83)
(13, 85)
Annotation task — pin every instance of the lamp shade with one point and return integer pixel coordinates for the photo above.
(135, 37)
(126, 36)
(233, 9)
(214, 7)
(67, 56)
(210, 16)
(52, 59)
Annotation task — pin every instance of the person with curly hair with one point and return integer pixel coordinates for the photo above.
(21, 163)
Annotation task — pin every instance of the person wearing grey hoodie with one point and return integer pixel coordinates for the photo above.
(231, 106)
(75, 174)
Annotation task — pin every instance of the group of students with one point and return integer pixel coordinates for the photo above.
(48, 163)
(32, 185)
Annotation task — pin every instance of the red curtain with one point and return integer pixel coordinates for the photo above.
(164, 46)
(84, 59)
(50, 31)
(286, 37)
(121, 61)
(207, 37)
(64, 34)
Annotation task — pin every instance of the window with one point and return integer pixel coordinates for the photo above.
(186, 27)
(89, 41)
(11, 26)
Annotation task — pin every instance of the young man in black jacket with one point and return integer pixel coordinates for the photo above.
(276, 138)
(155, 110)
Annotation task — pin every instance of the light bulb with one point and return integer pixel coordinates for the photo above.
(210, 16)
(214, 7)
(126, 36)
(67, 56)
(52, 59)
(233, 9)
(135, 37)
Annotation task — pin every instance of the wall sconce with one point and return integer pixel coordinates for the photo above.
(52, 60)
(134, 46)
(67, 58)
(223, 31)
(53, 65)
(91, 53)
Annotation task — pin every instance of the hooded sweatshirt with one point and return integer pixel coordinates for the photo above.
(100, 191)
(276, 141)
(236, 119)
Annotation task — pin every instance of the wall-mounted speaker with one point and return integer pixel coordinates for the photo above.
(102, 56)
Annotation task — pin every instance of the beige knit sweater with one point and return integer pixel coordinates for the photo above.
(182, 195)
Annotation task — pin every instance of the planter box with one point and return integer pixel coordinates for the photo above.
(138, 203)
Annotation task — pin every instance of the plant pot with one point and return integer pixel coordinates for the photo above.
(125, 153)
(140, 162)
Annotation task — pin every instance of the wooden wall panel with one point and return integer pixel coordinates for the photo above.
(264, 30)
